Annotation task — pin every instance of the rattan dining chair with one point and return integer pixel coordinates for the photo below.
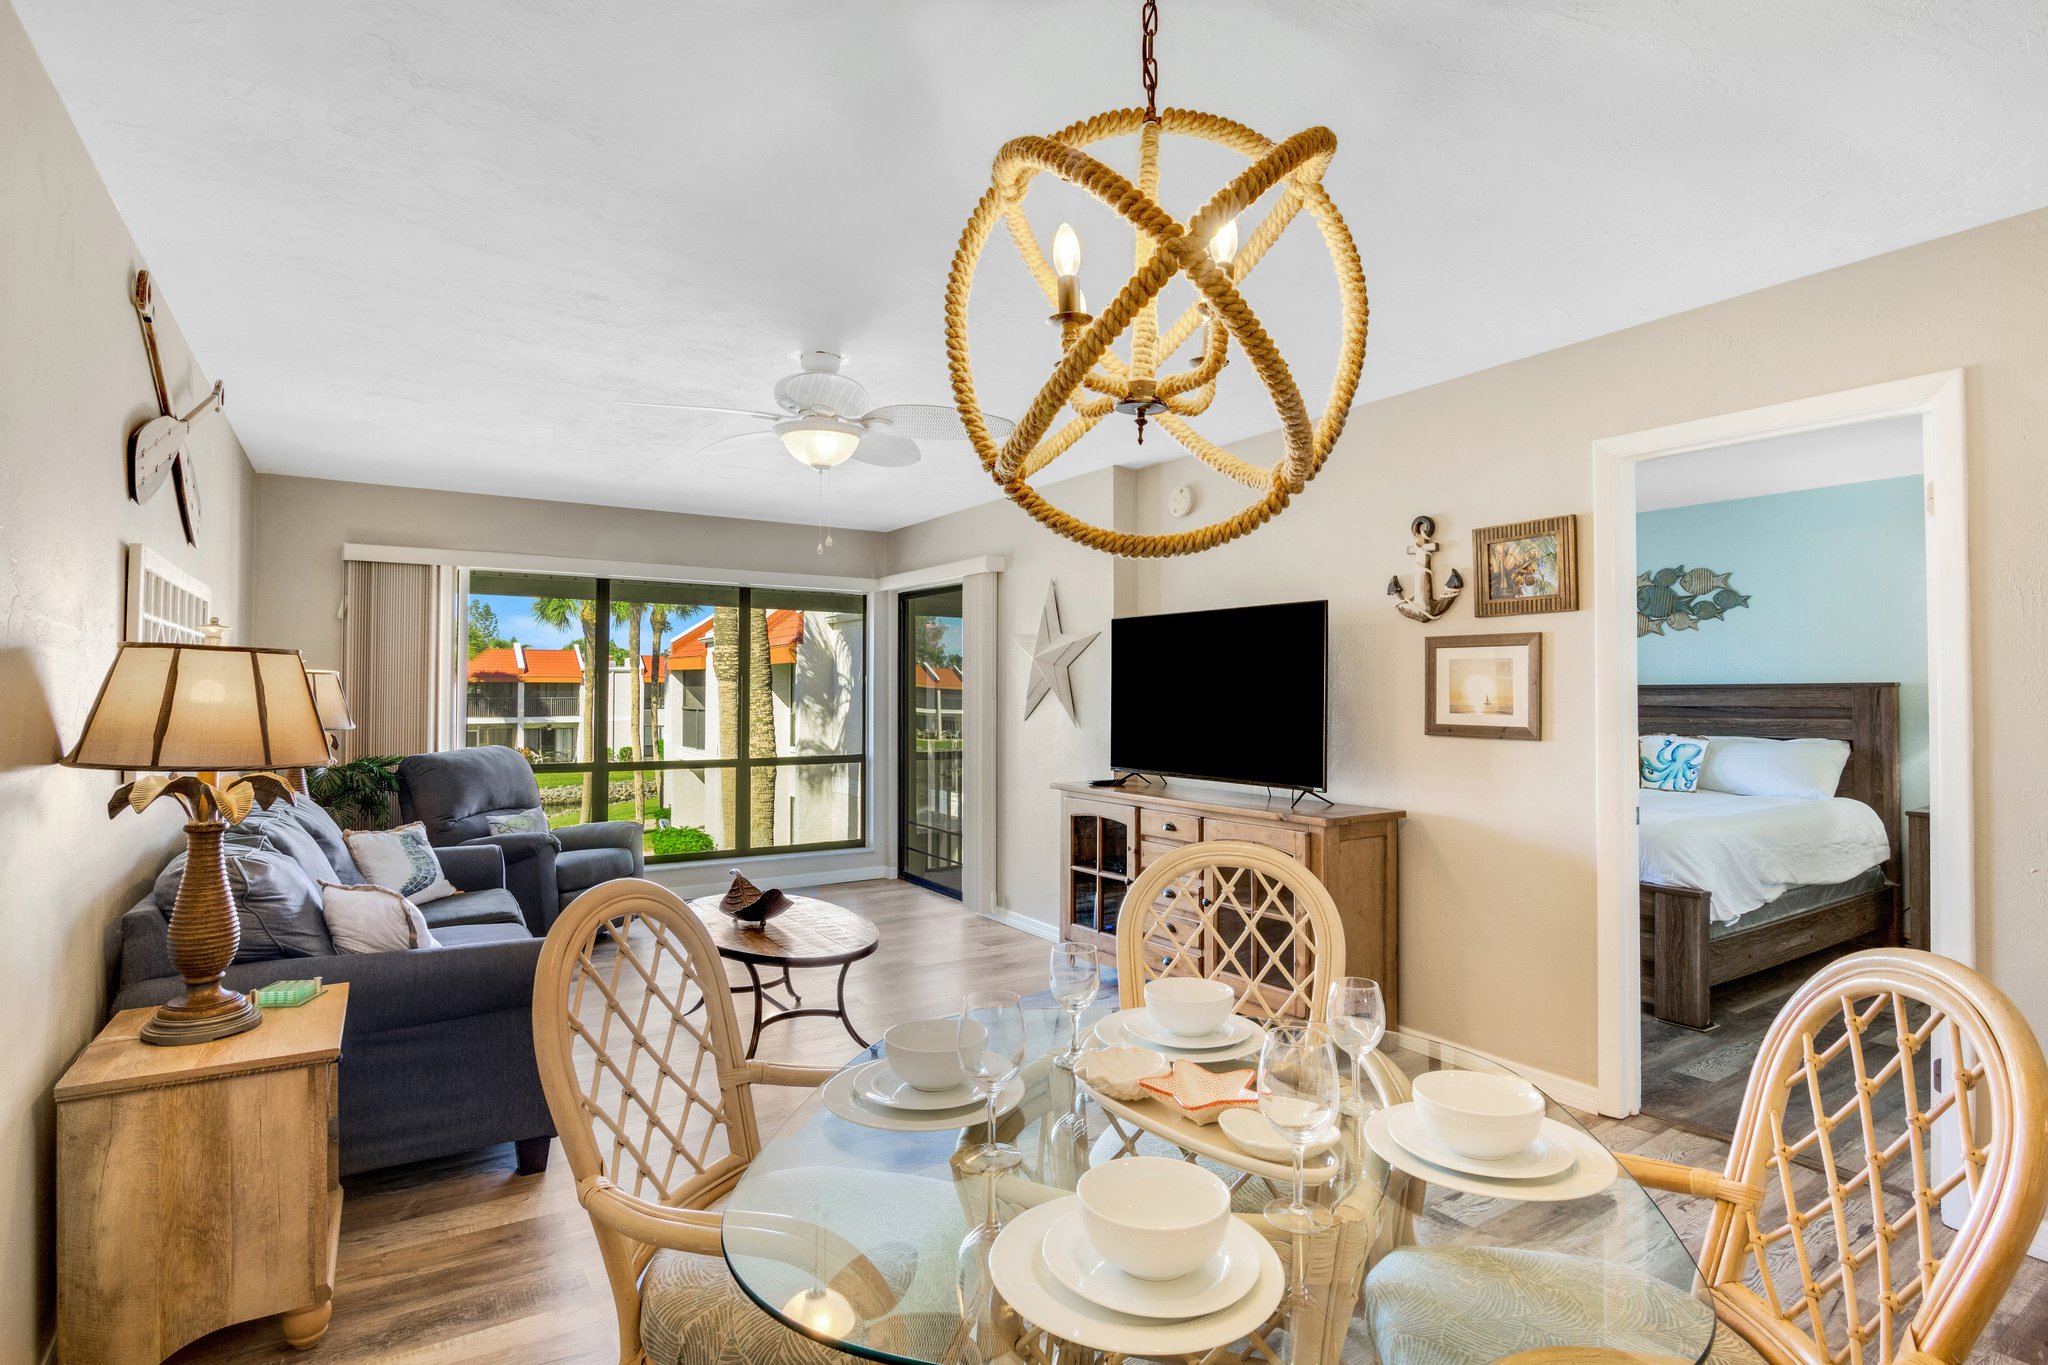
(1236, 911)
(1827, 1243)
(654, 1103)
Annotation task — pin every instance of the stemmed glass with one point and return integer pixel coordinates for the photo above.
(992, 1054)
(1076, 976)
(1298, 1096)
(1358, 1019)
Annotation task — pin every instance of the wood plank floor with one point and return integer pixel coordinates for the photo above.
(462, 1262)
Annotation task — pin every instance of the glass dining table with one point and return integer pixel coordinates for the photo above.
(873, 1240)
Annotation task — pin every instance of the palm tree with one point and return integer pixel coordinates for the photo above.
(637, 691)
(558, 612)
(760, 709)
(657, 624)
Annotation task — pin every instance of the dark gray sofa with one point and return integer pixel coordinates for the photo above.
(454, 794)
(437, 1055)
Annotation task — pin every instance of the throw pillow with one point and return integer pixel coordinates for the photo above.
(277, 904)
(373, 919)
(532, 820)
(278, 830)
(401, 859)
(1671, 763)
(313, 818)
(1744, 765)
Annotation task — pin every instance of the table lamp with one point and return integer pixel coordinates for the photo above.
(332, 704)
(200, 709)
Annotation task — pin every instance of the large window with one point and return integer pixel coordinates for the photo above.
(727, 720)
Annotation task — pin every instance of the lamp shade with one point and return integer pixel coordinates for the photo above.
(329, 700)
(202, 708)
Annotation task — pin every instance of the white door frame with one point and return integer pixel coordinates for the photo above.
(1937, 399)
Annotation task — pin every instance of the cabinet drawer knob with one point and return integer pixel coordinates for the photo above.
(1169, 826)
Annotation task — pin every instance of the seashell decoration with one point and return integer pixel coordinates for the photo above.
(1681, 598)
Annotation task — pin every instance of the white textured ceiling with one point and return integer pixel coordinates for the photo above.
(431, 244)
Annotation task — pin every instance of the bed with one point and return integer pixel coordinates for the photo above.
(1751, 847)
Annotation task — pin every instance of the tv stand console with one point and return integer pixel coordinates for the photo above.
(1108, 836)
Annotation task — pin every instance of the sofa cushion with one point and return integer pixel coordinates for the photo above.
(494, 906)
(468, 935)
(580, 869)
(454, 793)
(278, 903)
(277, 827)
(314, 819)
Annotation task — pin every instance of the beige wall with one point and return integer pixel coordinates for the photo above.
(304, 523)
(73, 382)
(1498, 852)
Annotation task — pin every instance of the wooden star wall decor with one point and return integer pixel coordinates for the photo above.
(1052, 652)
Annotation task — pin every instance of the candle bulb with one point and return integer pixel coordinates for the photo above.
(1223, 243)
(1068, 304)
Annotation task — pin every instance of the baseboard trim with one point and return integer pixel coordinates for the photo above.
(1037, 928)
(1580, 1095)
(689, 880)
(2039, 1249)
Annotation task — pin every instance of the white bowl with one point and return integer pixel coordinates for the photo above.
(1478, 1115)
(926, 1052)
(1189, 1007)
(1151, 1217)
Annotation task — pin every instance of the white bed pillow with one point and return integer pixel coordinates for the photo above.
(373, 919)
(1808, 769)
(401, 859)
(1671, 763)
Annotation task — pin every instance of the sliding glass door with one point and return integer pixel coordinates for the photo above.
(933, 674)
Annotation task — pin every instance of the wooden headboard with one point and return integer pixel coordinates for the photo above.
(1865, 714)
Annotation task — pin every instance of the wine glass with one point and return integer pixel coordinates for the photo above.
(1298, 1095)
(1076, 976)
(991, 1044)
(1358, 1019)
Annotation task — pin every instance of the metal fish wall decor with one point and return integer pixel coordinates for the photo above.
(1681, 598)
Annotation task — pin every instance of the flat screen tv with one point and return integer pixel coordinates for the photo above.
(1236, 695)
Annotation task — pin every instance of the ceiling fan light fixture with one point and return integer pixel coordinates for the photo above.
(820, 442)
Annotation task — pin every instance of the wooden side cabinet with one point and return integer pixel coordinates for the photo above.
(1109, 836)
(198, 1186)
(1919, 880)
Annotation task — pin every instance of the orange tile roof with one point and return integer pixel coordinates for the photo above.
(785, 630)
(945, 679)
(542, 665)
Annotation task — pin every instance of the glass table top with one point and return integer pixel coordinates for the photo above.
(859, 1235)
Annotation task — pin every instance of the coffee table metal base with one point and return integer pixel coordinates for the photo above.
(796, 1009)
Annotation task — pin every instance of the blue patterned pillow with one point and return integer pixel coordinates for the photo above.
(401, 859)
(1671, 763)
(532, 820)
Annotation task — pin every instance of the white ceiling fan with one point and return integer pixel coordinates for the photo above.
(827, 418)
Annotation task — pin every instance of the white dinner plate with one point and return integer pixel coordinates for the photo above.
(1111, 1031)
(1550, 1154)
(1022, 1278)
(1253, 1134)
(843, 1099)
(1224, 1278)
(1593, 1168)
(877, 1084)
(1141, 1024)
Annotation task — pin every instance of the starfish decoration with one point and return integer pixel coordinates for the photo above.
(1052, 657)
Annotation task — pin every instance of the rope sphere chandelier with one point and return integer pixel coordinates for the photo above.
(1091, 380)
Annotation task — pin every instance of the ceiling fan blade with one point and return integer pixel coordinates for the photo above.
(747, 445)
(702, 407)
(887, 449)
(929, 422)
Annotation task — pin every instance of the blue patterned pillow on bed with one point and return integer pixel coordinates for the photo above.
(1671, 763)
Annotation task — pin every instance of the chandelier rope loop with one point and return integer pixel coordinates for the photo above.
(1090, 379)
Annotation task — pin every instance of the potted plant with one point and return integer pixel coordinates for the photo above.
(357, 793)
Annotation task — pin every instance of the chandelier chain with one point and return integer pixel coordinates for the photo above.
(1149, 21)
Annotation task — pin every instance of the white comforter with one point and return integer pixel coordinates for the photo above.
(1747, 850)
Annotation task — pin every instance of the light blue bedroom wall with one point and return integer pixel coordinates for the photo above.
(1837, 583)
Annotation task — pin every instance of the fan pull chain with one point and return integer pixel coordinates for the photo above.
(824, 509)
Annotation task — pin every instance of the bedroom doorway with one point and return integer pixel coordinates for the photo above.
(1814, 591)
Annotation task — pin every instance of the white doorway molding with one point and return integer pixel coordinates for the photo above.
(1937, 400)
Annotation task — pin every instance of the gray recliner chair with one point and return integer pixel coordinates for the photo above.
(454, 794)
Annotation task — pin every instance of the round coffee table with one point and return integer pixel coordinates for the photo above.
(811, 933)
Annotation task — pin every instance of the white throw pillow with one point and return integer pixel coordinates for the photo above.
(401, 859)
(1671, 762)
(1810, 769)
(373, 919)
(532, 820)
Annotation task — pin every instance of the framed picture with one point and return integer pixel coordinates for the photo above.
(1527, 567)
(1483, 686)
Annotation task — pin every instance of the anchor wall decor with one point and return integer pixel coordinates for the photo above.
(1424, 605)
(161, 447)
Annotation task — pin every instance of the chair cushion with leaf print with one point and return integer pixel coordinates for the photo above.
(1474, 1305)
